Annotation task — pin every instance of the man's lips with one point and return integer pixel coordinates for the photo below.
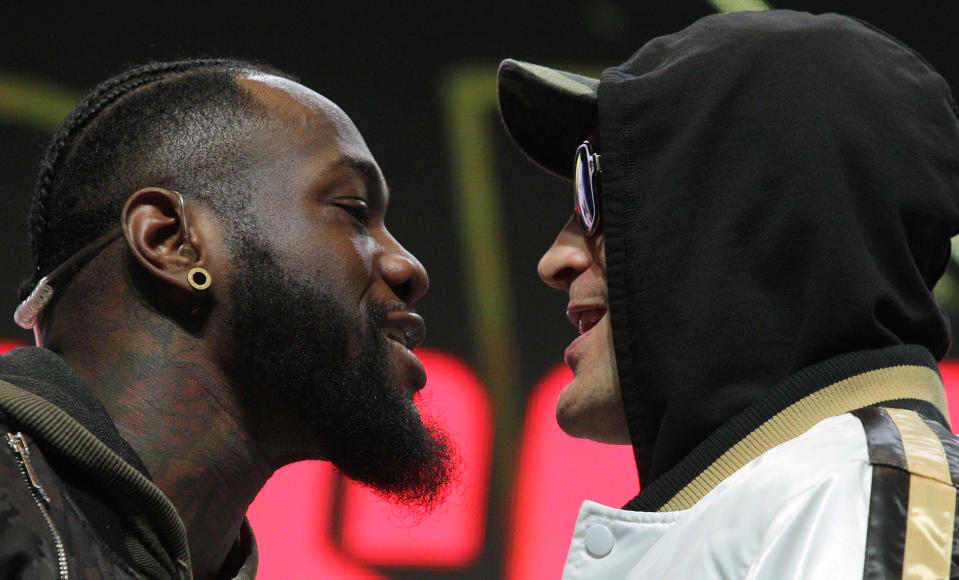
(406, 328)
(585, 315)
(406, 331)
(588, 323)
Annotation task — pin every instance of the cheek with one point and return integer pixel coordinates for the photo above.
(599, 252)
(364, 251)
(342, 265)
(347, 264)
(326, 250)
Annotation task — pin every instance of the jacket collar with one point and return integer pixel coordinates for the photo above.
(899, 376)
(42, 372)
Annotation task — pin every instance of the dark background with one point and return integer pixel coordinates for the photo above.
(390, 66)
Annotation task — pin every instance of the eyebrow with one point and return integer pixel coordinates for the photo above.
(369, 170)
(364, 166)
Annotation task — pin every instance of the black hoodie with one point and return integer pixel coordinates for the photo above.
(779, 189)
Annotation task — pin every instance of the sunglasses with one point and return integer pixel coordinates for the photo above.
(586, 187)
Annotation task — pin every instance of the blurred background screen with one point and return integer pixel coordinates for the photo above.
(418, 79)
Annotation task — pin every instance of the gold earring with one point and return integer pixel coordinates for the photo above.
(199, 278)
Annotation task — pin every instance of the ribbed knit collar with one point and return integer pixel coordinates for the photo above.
(43, 373)
(42, 395)
(899, 376)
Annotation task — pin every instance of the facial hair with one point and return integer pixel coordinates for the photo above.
(329, 364)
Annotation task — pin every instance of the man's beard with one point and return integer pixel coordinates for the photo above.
(333, 370)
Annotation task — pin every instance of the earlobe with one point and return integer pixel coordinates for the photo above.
(157, 230)
(199, 278)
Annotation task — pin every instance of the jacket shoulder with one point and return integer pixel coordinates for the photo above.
(912, 511)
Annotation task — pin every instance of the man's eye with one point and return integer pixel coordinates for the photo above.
(360, 213)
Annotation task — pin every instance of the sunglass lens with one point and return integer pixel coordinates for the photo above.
(584, 202)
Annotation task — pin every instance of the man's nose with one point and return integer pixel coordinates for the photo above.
(403, 272)
(567, 258)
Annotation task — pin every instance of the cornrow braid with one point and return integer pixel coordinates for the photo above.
(98, 99)
(168, 124)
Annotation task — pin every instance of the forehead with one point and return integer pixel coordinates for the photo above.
(308, 138)
(306, 116)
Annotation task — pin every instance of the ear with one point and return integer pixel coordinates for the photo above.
(155, 226)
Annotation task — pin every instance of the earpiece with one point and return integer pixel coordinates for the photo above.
(198, 278)
(26, 314)
(186, 248)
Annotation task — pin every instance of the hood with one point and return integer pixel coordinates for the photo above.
(779, 188)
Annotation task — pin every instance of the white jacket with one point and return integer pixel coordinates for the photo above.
(872, 487)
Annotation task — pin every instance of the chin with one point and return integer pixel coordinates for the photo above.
(590, 413)
(570, 413)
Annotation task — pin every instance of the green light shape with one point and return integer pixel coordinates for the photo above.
(946, 290)
(469, 97)
(32, 102)
(470, 107)
(739, 5)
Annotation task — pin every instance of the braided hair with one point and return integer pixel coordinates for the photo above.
(179, 125)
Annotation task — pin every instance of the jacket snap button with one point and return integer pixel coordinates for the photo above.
(599, 540)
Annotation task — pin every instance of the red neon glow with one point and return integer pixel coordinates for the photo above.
(8, 344)
(950, 378)
(292, 514)
(451, 537)
(556, 474)
(290, 518)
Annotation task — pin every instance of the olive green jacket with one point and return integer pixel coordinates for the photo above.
(75, 500)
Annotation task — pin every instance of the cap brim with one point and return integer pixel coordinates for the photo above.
(547, 112)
